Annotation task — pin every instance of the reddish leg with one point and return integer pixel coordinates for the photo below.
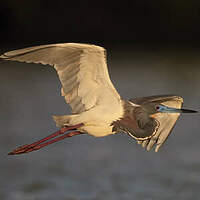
(35, 146)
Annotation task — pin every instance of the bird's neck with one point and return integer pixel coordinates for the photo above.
(135, 121)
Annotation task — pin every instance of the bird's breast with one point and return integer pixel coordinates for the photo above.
(98, 120)
(100, 130)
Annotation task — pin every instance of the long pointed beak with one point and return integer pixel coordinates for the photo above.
(166, 109)
(188, 111)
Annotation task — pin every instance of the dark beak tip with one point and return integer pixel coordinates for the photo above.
(189, 111)
(195, 111)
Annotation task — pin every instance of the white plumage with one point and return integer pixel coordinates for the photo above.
(86, 85)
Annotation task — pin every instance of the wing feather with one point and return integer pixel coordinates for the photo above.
(82, 70)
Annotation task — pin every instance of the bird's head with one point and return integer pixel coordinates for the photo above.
(151, 119)
(156, 107)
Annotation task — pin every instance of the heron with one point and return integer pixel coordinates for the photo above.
(97, 108)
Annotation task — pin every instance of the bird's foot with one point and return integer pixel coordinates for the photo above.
(41, 143)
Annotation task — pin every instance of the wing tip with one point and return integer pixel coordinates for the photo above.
(157, 148)
(4, 56)
(179, 98)
(148, 145)
(150, 148)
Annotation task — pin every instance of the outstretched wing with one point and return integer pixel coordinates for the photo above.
(166, 120)
(82, 70)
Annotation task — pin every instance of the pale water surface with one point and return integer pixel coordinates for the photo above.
(109, 168)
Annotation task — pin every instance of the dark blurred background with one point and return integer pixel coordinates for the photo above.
(153, 48)
(114, 22)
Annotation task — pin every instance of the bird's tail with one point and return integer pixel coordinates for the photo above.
(61, 120)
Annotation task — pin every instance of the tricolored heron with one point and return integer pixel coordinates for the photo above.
(97, 108)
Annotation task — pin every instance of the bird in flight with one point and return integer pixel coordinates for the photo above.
(97, 108)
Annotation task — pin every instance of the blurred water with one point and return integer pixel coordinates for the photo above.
(113, 167)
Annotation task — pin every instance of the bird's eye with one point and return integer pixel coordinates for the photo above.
(157, 107)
